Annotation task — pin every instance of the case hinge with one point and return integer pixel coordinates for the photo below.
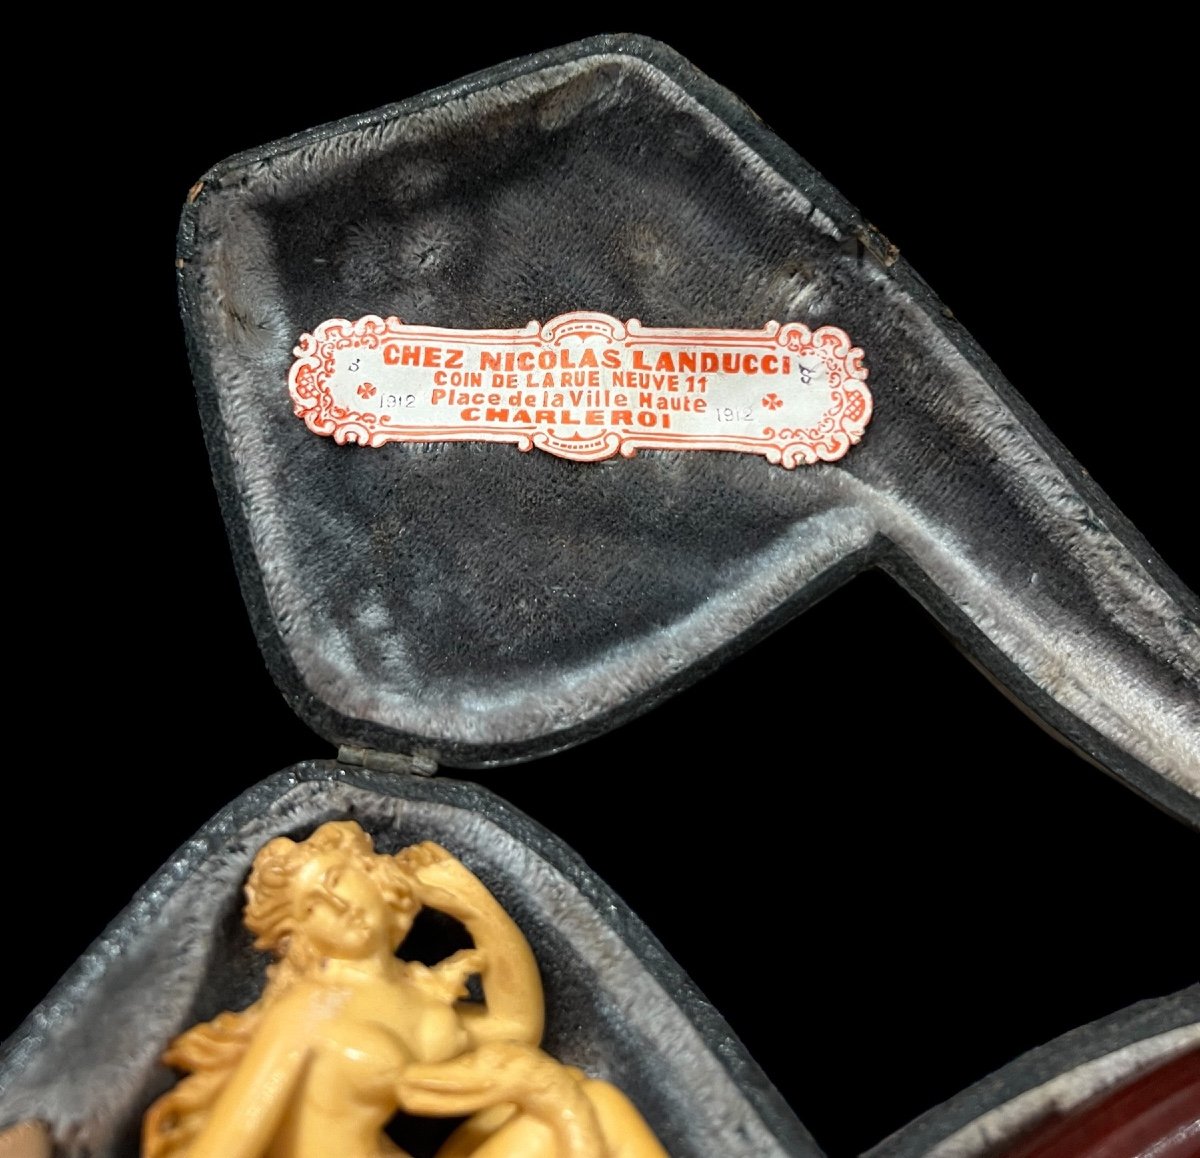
(375, 761)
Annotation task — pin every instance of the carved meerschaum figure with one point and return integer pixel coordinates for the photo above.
(346, 1034)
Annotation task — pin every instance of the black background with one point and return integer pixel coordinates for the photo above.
(888, 879)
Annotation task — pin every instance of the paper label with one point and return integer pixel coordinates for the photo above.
(586, 386)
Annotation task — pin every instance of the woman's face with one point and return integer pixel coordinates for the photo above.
(341, 910)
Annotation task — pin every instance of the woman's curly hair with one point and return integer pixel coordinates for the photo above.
(270, 912)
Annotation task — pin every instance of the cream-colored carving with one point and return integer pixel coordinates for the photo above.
(27, 1140)
(346, 1034)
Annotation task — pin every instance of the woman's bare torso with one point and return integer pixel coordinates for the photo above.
(362, 1034)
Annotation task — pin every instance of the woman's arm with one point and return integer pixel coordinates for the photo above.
(555, 1117)
(249, 1110)
(514, 1008)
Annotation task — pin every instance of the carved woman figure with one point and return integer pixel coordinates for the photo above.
(345, 1034)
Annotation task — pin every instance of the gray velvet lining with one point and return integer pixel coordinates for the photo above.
(475, 603)
(86, 1059)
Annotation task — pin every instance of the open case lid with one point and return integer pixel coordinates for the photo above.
(470, 604)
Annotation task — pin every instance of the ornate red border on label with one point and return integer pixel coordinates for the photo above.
(586, 386)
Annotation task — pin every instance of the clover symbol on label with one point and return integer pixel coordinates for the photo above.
(772, 402)
(366, 390)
